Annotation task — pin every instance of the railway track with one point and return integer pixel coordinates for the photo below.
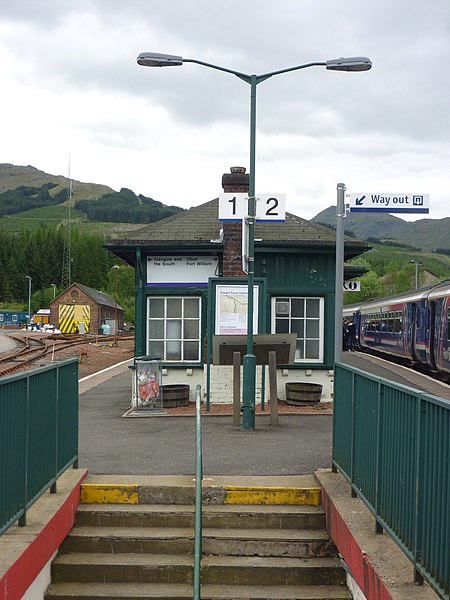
(31, 348)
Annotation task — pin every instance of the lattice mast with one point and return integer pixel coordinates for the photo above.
(66, 275)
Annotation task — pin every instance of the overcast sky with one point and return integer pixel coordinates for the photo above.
(70, 85)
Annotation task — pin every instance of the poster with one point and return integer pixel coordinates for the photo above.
(232, 309)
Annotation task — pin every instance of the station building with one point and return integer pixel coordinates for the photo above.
(82, 309)
(190, 285)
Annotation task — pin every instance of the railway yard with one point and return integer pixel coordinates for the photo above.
(35, 349)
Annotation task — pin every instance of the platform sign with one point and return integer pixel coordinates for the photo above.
(390, 203)
(269, 207)
(352, 286)
(233, 206)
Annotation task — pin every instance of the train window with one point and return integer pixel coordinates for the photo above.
(2, 318)
(398, 323)
(15, 318)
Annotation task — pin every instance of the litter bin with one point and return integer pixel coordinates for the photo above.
(148, 383)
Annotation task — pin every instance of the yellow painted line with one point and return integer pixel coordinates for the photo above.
(96, 493)
(271, 495)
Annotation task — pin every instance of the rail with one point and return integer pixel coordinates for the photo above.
(198, 495)
(392, 443)
(38, 435)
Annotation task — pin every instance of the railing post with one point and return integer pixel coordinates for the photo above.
(198, 495)
(236, 389)
(273, 388)
(380, 407)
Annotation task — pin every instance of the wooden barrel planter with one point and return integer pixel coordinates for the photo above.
(175, 395)
(303, 394)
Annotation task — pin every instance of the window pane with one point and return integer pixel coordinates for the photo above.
(312, 328)
(174, 329)
(297, 307)
(156, 349)
(312, 349)
(156, 307)
(191, 351)
(299, 350)
(156, 329)
(312, 307)
(191, 307)
(298, 327)
(191, 329)
(282, 307)
(173, 350)
(281, 326)
(174, 307)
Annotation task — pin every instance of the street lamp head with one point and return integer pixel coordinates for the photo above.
(154, 59)
(352, 63)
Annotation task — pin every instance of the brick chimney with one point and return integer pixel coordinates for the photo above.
(235, 181)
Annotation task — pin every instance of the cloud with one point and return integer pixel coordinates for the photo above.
(72, 85)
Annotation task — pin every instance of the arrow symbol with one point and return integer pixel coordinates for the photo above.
(359, 201)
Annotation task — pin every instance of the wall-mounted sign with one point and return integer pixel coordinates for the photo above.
(352, 286)
(175, 269)
(231, 309)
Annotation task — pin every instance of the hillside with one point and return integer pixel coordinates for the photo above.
(424, 234)
(29, 197)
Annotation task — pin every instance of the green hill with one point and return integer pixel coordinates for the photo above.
(424, 234)
(29, 197)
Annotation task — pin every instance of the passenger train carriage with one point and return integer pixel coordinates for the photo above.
(414, 326)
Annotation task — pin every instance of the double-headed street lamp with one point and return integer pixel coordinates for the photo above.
(152, 59)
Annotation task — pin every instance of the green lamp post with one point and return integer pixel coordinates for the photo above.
(153, 59)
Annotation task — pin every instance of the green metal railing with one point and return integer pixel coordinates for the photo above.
(393, 445)
(198, 494)
(38, 435)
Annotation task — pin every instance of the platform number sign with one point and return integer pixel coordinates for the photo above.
(269, 207)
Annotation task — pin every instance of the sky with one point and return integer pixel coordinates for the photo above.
(71, 87)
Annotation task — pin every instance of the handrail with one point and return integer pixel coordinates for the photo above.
(38, 433)
(392, 444)
(198, 494)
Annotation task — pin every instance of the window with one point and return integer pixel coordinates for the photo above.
(174, 330)
(303, 316)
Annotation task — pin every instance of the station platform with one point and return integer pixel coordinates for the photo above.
(396, 373)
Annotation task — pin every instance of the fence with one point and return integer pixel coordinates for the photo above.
(393, 445)
(38, 435)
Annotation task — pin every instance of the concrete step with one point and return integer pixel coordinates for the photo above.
(155, 591)
(297, 543)
(163, 568)
(252, 570)
(232, 516)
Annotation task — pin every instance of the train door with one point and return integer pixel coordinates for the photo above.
(410, 330)
(420, 333)
(429, 335)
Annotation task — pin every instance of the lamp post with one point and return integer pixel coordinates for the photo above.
(417, 263)
(53, 285)
(29, 297)
(152, 59)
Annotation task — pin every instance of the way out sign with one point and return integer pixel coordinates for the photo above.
(352, 286)
(391, 203)
(269, 207)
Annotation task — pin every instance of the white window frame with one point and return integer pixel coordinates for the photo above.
(181, 339)
(321, 319)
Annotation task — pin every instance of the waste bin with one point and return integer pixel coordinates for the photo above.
(148, 383)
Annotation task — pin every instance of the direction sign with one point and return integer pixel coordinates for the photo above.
(269, 207)
(390, 203)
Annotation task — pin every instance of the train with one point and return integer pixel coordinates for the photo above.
(13, 318)
(413, 327)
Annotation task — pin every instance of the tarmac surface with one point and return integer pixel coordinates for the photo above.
(112, 444)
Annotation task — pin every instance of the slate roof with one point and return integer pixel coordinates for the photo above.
(199, 227)
(99, 297)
